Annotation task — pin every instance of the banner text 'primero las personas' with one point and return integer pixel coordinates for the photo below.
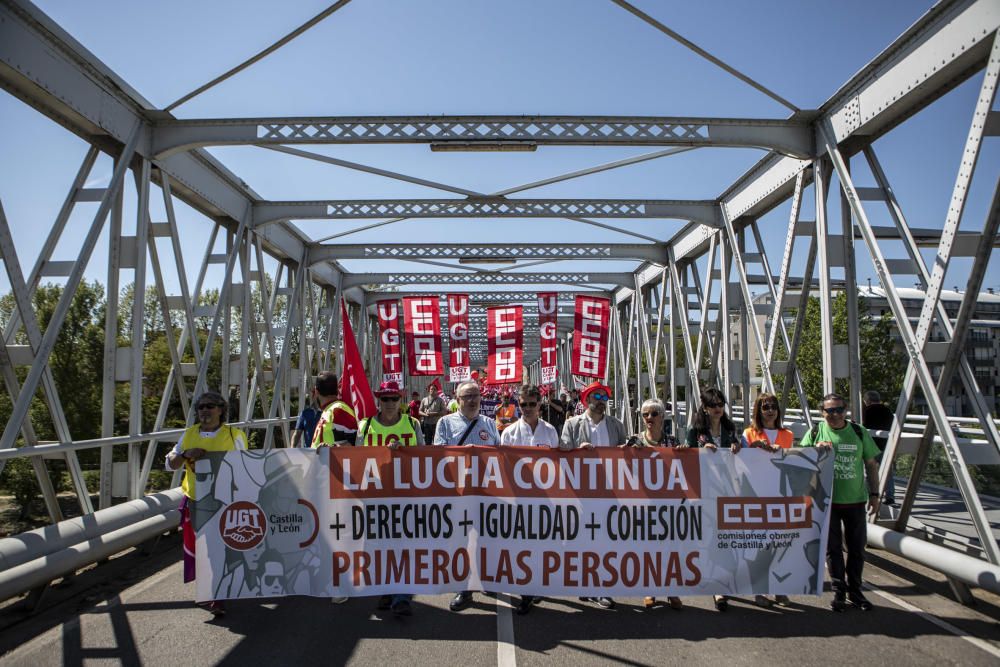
(510, 472)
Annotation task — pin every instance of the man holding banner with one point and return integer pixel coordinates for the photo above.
(466, 427)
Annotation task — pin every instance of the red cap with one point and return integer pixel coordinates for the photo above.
(388, 389)
(592, 387)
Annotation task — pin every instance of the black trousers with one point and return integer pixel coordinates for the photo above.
(848, 528)
(429, 430)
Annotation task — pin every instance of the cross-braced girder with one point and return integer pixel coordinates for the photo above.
(488, 251)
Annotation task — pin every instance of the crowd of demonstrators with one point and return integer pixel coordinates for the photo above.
(876, 416)
(855, 485)
(432, 409)
(210, 434)
(579, 420)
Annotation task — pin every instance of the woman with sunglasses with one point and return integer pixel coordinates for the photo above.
(765, 432)
(712, 428)
(208, 435)
(654, 435)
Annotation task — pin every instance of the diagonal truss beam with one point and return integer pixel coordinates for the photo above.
(788, 137)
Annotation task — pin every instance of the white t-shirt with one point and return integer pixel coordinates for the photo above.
(772, 434)
(520, 433)
(599, 432)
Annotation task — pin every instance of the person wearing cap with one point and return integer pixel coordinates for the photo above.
(390, 428)
(594, 428)
(856, 454)
(210, 434)
(338, 425)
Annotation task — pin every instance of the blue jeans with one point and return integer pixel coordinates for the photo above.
(890, 484)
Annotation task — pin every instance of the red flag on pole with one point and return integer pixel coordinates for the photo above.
(458, 338)
(422, 320)
(436, 384)
(504, 344)
(548, 313)
(388, 325)
(354, 387)
(590, 336)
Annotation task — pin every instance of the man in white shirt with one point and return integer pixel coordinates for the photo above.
(530, 429)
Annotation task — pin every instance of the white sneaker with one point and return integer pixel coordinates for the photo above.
(339, 600)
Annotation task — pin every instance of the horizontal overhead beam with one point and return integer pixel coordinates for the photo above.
(704, 212)
(791, 137)
(488, 251)
(565, 296)
(486, 278)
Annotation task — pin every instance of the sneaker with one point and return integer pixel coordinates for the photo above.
(384, 603)
(648, 601)
(860, 601)
(781, 600)
(839, 601)
(889, 502)
(762, 601)
(215, 608)
(401, 607)
(460, 601)
(675, 603)
(721, 602)
(604, 602)
(525, 604)
(339, 600)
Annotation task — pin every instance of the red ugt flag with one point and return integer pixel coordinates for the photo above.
(548, 312)
(504, 343)
(422, 320)
(458, 338)
(388, 325)
(354, 387)
(590, 336)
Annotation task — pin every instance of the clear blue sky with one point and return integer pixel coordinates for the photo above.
(384, 57)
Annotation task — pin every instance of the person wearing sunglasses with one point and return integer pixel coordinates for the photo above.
(594, 428)
(855, 483)
(766, 432)
(390, 428)
(712, 428)
(532, 431)
(654, 434)
(210, 434)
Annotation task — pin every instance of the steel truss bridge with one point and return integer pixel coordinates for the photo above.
(690, 294)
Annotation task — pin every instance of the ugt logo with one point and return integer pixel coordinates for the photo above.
(242, 525)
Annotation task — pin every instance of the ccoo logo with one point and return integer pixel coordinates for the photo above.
(242, 525)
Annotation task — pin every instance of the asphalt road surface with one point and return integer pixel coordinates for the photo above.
(154, 622)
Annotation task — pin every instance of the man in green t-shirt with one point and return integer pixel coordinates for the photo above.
(855, 453)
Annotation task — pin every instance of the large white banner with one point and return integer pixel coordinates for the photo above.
(625, 522)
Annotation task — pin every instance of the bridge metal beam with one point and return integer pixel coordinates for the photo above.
(486, 278)
(791, 137)
(566, 296)
(268, 212)
(488, 251)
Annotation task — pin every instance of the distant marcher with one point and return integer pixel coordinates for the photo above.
(338, 425)
(413, 407)
(506, 413)
(305, 425)
(653, 434)
(210, 434)
(876, 416)
(856, 454)
(554, 411)
(432, 408)
(712, 428)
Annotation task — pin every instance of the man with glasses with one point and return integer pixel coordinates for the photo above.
(338, 425)
(594, 428)
(856, 455)
(466, 427)
(210, 434)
